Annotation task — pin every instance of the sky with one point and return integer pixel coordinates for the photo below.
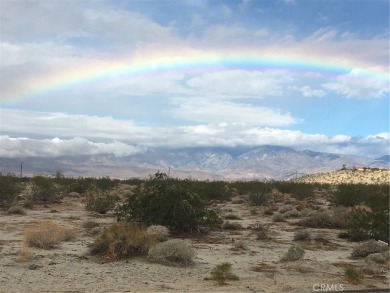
(119, 77)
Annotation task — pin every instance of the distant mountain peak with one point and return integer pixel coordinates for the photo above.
(238, 163)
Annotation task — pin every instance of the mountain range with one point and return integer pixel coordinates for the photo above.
(258, 163)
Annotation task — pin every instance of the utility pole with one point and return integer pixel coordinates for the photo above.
(21, 169)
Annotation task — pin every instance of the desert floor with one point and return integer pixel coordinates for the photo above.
(71, 268)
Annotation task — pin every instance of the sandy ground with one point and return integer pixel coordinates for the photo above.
(70, 268)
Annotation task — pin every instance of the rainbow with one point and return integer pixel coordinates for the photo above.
(149, 66)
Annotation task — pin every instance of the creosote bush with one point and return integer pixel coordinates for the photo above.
(364, 224)
(101, 202)
(46, 235)
(122, 240)
(9, 189)
(294, 253)
(168, 202)
(44, 190)
(223, 272)
(172, 252)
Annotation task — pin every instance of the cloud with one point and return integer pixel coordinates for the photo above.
(217, 111)
(27, 147)
(37, 135)
(307, 91)
(239, 83)
(360, 85)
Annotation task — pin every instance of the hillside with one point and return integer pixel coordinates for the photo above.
(368, 176)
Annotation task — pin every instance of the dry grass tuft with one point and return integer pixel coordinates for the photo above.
(25, 253)
(46, 235)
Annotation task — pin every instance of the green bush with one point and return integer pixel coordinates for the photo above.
(9, 189)
(350, 195)
(172, 252)
(258, 199)
(352, 275)
(364, 224)
(169, 202)
(44, 190)
(297, 190)
(223, 272)
(122, 240)
(101, 202)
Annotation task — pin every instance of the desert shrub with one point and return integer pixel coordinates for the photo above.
(16, 210)
(46, 235)
(105, 183)
(270, 210)
(172, 252)
(277, 217)
(44, 190)
(81, 185)
(292, 214)
(320, 238)
(364, 224)
(285, 208)
(89, 225)
(297, 190)
(294, 253)
(261, 231)
(352, 275)
(380, 258)
(232, 217)
(368, 247)
(260, 198)
(326, 219)
(168, 202)
(350, 195)
(238, 201)
(370, 267)
(302, 235)
(240, 244)
(9, 189)
(212, 190)
(161, 233)
(101, 201)
(122, 240)
(231, 226)
(248, 187)
(25, 253)
(223, 272)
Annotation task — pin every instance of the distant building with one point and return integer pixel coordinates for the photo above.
(359, 168)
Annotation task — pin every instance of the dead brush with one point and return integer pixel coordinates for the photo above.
(46, 235)
(123, 240)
